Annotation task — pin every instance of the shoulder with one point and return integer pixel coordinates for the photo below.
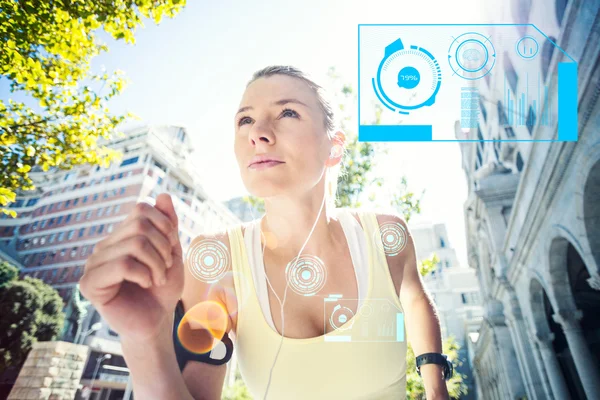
(396, 241)
(214, 247)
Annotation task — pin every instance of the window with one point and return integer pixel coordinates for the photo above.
(32, 202)
(63, 274)
(112, 177)
(530, 122)
(84, 250)
(120, 175)
(85, 199)
(59, 205)
(106, 194)
(88, 214)
(160, 180)
(63, 252)
(77, 272)
(95, 196)
(520, 13)
(92, 230)
(181, 135)
(109, 228)
(78, 216)
(483, 110)
(547, 53)
(76, 201)
(519, 162)
(68, 203)
(43, 240)
(511, 74)
(68, 218)
(51, 238)
(129, 161)
(117, 208)
(99, 213)
(81, 231)
(560, 6)
(35, 240)
(70, 235)
(61, 236)
(100, 229)
(122, 191)
(73, 251)
(54, 273)
(107, 211)
(447, 264)
(51, 207)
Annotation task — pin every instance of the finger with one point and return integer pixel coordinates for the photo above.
(139, 226)
(100, 285)
(161, 221)
(140, 248)
(164, 204)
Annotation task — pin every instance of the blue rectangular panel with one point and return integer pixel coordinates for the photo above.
(567, 101)
(400, 327)
(395, 133)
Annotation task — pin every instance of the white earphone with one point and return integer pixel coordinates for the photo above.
(332, 154)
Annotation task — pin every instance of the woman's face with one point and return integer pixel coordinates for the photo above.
(280, 119)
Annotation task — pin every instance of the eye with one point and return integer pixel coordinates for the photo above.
(289, 112)
(243, 120)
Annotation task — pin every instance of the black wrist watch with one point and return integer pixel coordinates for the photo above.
(435, 358)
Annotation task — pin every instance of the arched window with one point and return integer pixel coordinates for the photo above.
(547, 52)
(520, 13)
(519, 162)
(560, 7)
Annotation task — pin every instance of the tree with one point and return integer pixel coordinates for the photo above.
(31, 311)
(46, 48)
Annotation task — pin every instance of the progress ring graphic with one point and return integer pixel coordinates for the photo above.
(407, 78)
(208, 260)
(393, 236)
(307, 275)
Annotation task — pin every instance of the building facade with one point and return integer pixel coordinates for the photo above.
(60, 222)
(455, 292)
(533, 222)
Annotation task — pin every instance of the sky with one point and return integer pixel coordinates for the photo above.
(192, 71)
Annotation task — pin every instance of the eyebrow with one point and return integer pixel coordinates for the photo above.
(276, 103)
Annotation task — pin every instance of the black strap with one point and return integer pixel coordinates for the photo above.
(435, 358)
(183, 355)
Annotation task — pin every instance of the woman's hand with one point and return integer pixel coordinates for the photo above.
(134, 276)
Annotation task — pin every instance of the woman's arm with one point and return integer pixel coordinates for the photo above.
(153, 365)
(422, 324)
(153, 368)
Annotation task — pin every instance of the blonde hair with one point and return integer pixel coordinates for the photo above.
(328, 118)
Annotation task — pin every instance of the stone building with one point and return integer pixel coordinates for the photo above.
(533, 224)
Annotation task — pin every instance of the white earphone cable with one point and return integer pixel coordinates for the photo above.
(286, 287)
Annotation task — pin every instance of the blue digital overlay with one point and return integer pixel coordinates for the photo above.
(445, 82)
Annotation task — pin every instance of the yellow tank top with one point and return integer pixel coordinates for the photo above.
(364, 358)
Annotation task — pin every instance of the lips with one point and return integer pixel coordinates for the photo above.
(264, 159)
(265, 164)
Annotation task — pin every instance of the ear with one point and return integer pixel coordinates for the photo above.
(338, 144)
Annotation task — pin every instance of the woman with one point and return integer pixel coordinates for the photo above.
(279, 276)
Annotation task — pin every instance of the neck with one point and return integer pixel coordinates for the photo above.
(289, 221)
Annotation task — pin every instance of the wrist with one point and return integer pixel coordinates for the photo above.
(433, 382)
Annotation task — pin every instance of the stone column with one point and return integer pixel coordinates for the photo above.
(583, 358)
(555, 375)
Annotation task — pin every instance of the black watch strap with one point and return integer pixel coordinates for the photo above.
(435, 358)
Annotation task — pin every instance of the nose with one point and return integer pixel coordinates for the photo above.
(261, 132)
